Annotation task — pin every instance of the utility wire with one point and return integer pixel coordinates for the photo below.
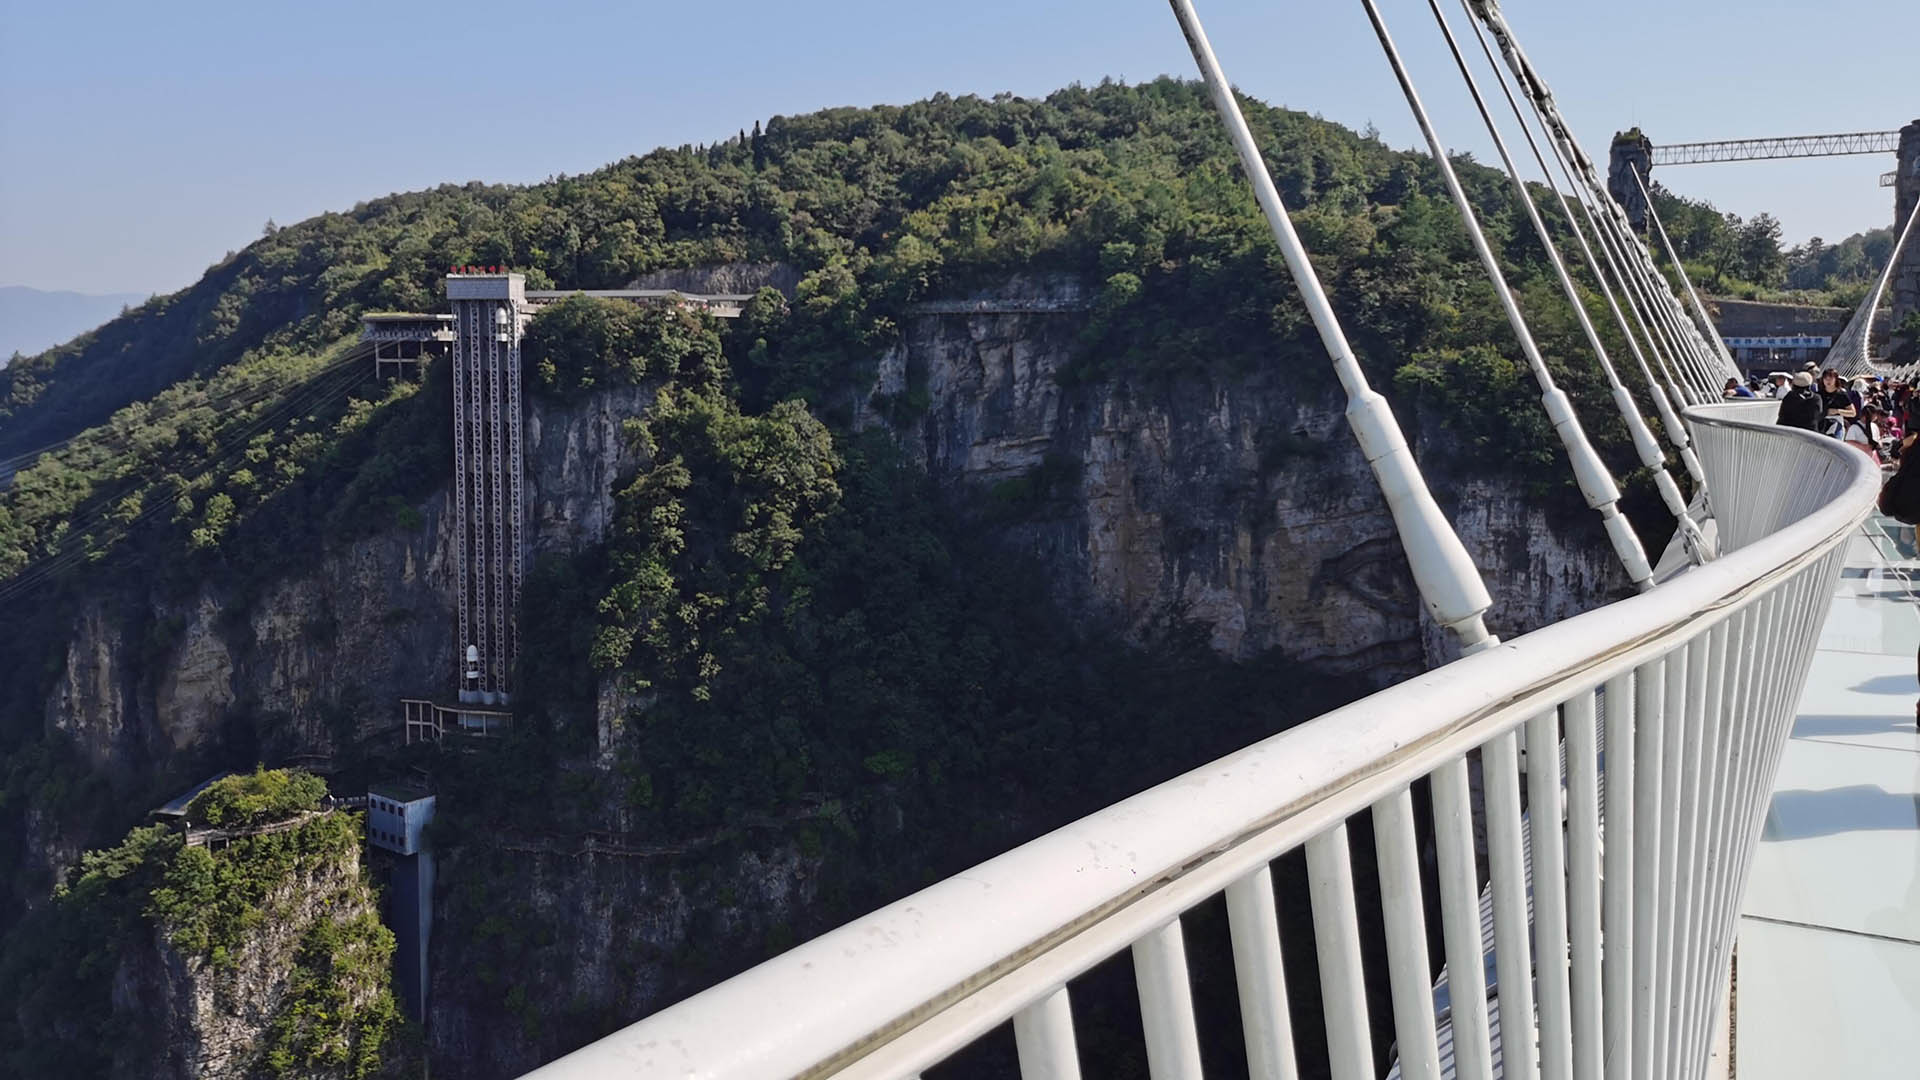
(303, 400)
(237, 397)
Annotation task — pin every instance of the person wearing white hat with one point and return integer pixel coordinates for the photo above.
(1801, 407)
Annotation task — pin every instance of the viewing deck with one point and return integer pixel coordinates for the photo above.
(1828, 960)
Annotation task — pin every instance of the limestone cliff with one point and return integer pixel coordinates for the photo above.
(230, 1015)
(579, 945)
(1242, 502)
(1237, 501)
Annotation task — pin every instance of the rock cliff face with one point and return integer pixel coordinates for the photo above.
(206, 1021)
(600, 925)
(1239, 502)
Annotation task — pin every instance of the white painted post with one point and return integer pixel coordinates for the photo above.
(1043, 1038)
(1254, 921)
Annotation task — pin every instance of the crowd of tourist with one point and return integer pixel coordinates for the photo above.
(1873, 414)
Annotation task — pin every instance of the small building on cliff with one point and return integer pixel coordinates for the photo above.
(1767, 337)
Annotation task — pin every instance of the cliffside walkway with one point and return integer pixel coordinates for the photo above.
(207, 836)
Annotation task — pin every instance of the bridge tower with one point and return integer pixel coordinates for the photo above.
(489, 313)
(1631, 151)
(1906, 192)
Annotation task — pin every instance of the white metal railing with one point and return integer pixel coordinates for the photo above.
(1684, 693)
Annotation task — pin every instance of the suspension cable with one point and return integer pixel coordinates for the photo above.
(239, 397)
(1854, 343)
(297, 402)
(1660, 395)
(1702, 321)
(1640, 264)
(1644, 444)
(1443, 572)
(1590, 473)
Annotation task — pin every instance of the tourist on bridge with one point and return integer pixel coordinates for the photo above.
(1733, 389)
(1777, 387)
(1864, 432)
(1836, 403)
(1801, 407)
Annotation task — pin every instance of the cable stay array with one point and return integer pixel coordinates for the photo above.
(1851, 353)
(1596, 483)
(234, 399)
(1678, 359)
(230, 448)
(1666, 396)
(1694, 362)
(1646, 447)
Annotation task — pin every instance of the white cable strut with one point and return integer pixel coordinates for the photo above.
(1590, 473)
(1448, 581)
(1645, 446)
(1850, 351)
(1667, 397)
(1702, 321)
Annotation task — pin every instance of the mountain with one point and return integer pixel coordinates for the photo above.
(1021, 484)
(32, 320)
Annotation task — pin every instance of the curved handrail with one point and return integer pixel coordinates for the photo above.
(906, 985)
(1850, 351)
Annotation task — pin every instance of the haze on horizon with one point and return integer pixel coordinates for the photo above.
(145, 141)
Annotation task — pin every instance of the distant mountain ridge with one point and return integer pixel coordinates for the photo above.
(34, 320)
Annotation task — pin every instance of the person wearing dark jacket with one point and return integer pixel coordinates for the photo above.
(1801, 407)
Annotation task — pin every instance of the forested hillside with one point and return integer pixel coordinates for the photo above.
(1739, 257)
(791, 642)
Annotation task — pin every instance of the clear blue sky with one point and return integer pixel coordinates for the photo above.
(140, 141)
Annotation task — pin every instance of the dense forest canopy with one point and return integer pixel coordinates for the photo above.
(1740, 257)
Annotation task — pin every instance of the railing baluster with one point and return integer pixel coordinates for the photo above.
(1649, 707)
(1166, 1004)
(1686, 767)
(1677, 717)
(1255, 924)
(1043, 1035)
(1408, 975)
(1719, 856)
(1618, 928)
(1705, 747)
(1583, 881)
(1460, 921)
(1549, 897)
(1513, 960)
(1336, 937)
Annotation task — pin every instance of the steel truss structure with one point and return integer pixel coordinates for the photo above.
(1789, 146)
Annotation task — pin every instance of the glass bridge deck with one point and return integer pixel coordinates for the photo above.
(1828, 958)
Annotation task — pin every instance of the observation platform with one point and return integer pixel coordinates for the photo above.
(1827, 976)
